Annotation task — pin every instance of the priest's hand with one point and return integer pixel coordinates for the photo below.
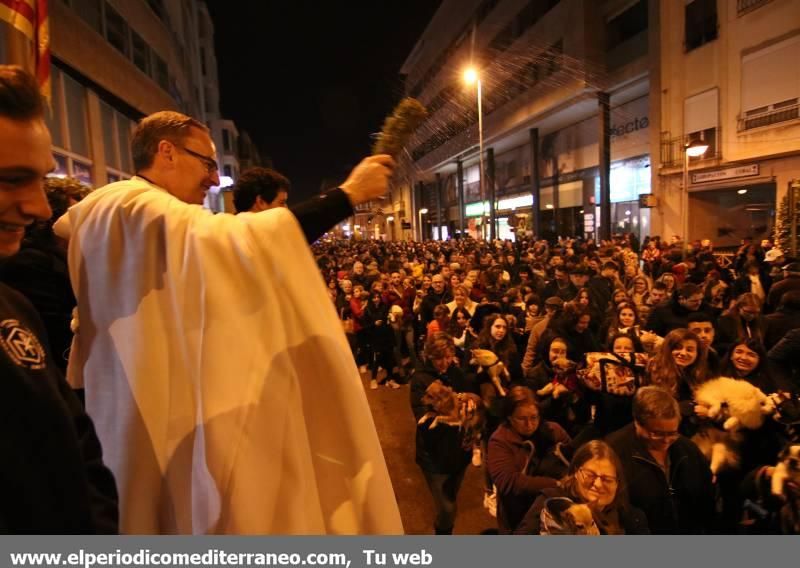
(369, 180)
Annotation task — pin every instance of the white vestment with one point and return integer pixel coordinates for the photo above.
(216, 371)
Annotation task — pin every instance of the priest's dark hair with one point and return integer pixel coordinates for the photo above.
(258, 182)
(19, 94)
(152, 129)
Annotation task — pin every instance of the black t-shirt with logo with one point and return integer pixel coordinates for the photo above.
(52, 477)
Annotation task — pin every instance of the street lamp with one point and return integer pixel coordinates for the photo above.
(471, 76)
(693, 149)
(421, 228)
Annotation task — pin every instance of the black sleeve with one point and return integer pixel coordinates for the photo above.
(102, 488)
(320, 213)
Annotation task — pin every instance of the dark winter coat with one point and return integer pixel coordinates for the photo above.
(680, 501)
(668, 316)
(439, 450)
(779, 324)
(521, 468)
(731, 329)
(53, 479)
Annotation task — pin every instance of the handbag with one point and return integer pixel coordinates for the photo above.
(613, 374)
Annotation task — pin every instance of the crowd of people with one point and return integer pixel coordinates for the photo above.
(569, 371)
(604, 345)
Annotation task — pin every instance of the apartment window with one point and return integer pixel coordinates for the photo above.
(226, 140)
(116, 30)
(90, 12)
(68, 121)
(701, 23)
(160, 72)
(701, 121)
(140, 52)
(770, 86)
(626, 25)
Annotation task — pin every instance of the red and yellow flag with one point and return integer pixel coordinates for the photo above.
(30, 18)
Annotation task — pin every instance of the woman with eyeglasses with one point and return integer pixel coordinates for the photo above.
(523, 457)
(595, 478)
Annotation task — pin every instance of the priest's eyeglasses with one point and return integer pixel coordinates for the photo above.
(209, 163)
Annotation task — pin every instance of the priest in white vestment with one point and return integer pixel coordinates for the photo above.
(221, 385)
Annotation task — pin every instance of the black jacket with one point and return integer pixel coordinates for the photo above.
(53, 479)
(439, 450)
(670, 315)
(681, 503)
(779, 324)
(40, 273)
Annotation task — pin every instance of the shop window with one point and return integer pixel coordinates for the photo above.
(124, 143)
(53, 112)
(140, 52)
(62, 167)
(82, 172)
(700, 23)
(109, 135)
(75, 97)
(116, 30)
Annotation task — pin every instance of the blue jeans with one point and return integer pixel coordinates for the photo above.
(444, 489)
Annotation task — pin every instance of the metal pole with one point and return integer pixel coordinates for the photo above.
(685, 203)
(460, 188)
(535, 188)
(490, 181)
(439, 216)
(794, 195)
(480, 158)
(605, 165)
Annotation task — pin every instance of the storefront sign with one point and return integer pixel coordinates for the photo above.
(588, 223)
(727, 173)
(638, 123)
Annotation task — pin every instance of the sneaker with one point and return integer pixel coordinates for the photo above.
(392, 384)
(373, 384)
(476, 457)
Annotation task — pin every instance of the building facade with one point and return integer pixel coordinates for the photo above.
(114, 62)
(728, 78)
(705, 70)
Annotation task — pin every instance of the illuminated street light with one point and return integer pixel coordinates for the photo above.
(693, 149)
(471, 76)
(422, 212)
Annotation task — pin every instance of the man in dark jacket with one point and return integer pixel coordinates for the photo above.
(785, 319)
(437, 295)
(666, 475)
(675, 314)
(439, 452)
(53, 477)
(791, 281)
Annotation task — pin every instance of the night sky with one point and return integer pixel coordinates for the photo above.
(311, 80)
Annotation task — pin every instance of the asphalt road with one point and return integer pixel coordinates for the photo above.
(394, 421)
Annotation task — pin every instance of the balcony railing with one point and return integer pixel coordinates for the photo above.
(745, 6)
(771, 115)
(672, 149)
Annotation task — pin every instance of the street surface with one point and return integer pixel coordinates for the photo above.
(394, 421)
